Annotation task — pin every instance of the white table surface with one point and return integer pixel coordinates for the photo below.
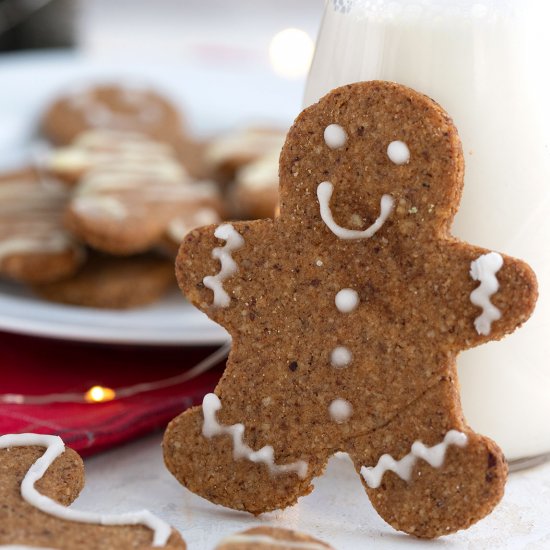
(338, 511)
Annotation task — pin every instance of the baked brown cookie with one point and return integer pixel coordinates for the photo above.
(114, 107)
(226, 154)
(124, 203)
(34, 245)
(271, 538)
(39, 478)
(110, 282)
(347, 313)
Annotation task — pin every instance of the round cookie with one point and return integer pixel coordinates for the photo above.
(346, 314)
(113, 283)
(271, 538)
(114, 107)
(34, 245)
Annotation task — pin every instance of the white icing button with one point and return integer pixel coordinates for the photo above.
(340, 357)
(340, 410)
(335, 136)
(347, 300)
(399, 153)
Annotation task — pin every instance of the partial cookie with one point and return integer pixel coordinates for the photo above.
(124, 203)
(112, 107)
(226, 154)
(34, 245)
(347, 313)
(39, 478)
(113, 283)
(271, 538)
(256, 191)
(191, 153)
(186, 222)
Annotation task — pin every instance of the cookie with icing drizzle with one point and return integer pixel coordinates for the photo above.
(35, 247)
(347, 313)
(271, 538)
(39, 479)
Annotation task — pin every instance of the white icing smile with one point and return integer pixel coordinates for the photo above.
(211, 427)
(324, 194)
(434, 456)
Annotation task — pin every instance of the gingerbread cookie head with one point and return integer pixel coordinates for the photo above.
(39, 478)
(109, 106)
(366, 155)
(347, 313)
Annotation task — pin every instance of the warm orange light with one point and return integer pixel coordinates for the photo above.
(99, 394)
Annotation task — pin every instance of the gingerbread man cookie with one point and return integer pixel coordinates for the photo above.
(39, 478)
(347, 313)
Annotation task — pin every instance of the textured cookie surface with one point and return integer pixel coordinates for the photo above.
(122, 108)
(271, 538)
(34, 245)
(52, 526)
(347, 313)
(113, 283)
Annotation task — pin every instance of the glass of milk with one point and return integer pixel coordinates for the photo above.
(486, 62)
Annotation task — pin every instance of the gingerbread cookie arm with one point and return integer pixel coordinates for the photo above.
(213, 264)
(490, 293)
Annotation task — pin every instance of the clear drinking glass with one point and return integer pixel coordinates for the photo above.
(486, 62)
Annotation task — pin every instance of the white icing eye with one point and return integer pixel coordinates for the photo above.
(340, 410)
(335, 136)
(340, 357)
(347, 300)
(399, 153)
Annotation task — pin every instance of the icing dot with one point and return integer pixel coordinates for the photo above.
(319, 263)
(347, 300)
(399, 153)
(340, 410)
(340, 357)
(335, 136)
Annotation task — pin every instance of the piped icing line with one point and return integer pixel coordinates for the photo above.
(54, 448)
(484, 270)
(434, 456)
(244, 538)
(234, 241)
(324, 194)
(211, 404)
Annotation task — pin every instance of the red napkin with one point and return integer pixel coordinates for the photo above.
(36, 366)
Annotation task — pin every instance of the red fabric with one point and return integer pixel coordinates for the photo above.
(36, 366)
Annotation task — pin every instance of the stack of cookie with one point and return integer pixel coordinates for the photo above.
(120, 187)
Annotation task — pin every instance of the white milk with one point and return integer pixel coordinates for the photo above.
(485, 65)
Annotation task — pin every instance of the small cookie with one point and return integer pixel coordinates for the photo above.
(226, 154)
(271, 538)
(347, 313)
(39, 478)
(125, 202)
(114, 107)
(34, 245)
(256, 191)
(109, 282)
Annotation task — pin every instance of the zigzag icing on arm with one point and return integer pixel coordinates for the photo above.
(234, 241)
(54, 448)
(434, 456)
(324, 194)
(484, 270)
(211, 427)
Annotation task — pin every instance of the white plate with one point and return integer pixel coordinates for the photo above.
(214, 98)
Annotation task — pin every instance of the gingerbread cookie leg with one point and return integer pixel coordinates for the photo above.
(426, 472)
(221, 461)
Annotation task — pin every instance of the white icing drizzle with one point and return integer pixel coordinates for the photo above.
(340, 357)
(434, 456)
(484, 270)
(54, 448)
(234, 241)
(398, 153)
(99, 205)
(346, 300)
(267, 540)
(340, 410)
(335, 136)
(211, 428)
(324, 194)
